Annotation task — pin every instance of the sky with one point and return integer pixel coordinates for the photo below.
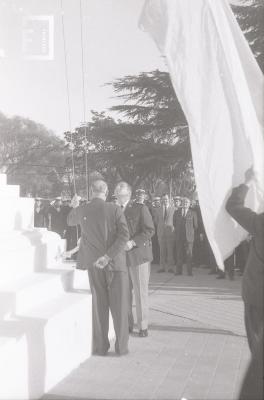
(32, 75)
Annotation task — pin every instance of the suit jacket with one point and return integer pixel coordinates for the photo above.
(164, 226)
(179, 226)
(141, 229)
(252, 284)
(103, 231)
(185, 226)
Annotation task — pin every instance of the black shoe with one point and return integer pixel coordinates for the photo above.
(177, 273)
(220, 277)
(143, 333)
(171, 270)
(100, 353)
(161, 270)
(212, 272)
(130, 330)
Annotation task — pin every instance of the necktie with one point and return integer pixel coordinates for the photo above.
(165, 214)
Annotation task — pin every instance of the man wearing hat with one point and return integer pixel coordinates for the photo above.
(166, 237)
(140, 196)
(155, 206)
(138, 250)
(177, 202)
(39, 214)
(56, 217)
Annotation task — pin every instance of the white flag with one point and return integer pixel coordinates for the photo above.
(220, 88)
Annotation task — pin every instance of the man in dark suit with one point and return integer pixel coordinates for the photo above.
(253, 279)
(185, 225)
(104, 235)
(165, 232)
(139, 252)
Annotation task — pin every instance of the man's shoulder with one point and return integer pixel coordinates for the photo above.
(140, 207)
(134, 209)
(112, 208)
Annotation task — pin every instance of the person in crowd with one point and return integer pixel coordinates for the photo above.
(140, 196)
(71, 232)
(83, 202)
(252, 285)
(39, 214)
(113, 199)
(138, 250)
(155, 243)
(165, 233)
(177, 202)
(185, 223)
(56, 217)
(197, 243)
(102, 252)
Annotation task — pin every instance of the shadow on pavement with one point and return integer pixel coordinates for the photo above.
(171, 328)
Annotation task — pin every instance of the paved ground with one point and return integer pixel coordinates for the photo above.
(196, 348)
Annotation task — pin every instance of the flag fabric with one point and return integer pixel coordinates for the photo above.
(220, 87)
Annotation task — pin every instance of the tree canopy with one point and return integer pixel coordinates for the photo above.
(31, 155)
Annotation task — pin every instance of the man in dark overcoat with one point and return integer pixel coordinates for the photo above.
(104, 235)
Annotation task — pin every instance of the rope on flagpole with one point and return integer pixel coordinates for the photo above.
(84, 103)
(68, 95)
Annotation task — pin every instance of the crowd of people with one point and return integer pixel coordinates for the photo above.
(179, 240)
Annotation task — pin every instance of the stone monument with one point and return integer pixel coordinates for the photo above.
(45, 323)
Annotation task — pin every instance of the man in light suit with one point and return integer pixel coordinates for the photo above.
(104, 235)
(165, 231)
(139, 251)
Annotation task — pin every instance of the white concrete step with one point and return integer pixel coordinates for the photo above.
(16, 213)
(33, 290)
(22, 252)
(80, 277)
(41, 347)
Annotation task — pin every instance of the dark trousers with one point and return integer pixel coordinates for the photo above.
(252, 387)
(184, 254)
(254, 325)
(180, 254)
(109, 292)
